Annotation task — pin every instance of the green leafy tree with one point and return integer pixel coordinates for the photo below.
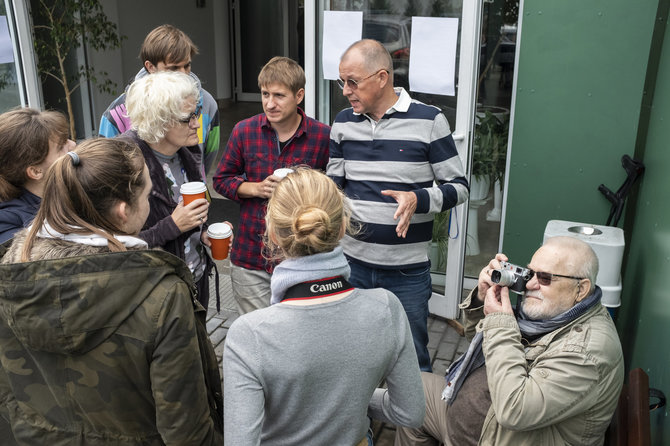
(380, 7)
(437, 9)
(62, 26)
(411, 9)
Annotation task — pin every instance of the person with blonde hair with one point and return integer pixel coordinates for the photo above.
(102, 345)
(281, 136)
(164, 111)
(304, 370)
(30, 141)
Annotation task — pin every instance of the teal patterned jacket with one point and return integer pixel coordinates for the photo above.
(101, 348)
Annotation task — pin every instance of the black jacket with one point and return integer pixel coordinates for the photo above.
(160, 229)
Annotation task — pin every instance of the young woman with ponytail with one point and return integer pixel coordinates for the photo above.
(99, 343)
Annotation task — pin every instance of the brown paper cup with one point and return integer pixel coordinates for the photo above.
(192, 191)
(281, 173)
(219, 235)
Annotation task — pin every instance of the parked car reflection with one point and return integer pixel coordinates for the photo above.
(394, 32)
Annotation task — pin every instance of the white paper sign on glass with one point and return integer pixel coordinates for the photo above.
(6, 48)
(432, 57)
(340, 30)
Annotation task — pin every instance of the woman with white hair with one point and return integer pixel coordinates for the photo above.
(164, 110)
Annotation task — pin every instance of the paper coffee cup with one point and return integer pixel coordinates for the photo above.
(192, 191)
(281, 173)
(219, 234)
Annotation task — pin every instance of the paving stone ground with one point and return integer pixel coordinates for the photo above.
(444, 342)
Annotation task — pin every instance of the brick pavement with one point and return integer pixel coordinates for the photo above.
(444, 342)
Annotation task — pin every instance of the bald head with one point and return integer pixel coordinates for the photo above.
(372, 54)
(577, 257)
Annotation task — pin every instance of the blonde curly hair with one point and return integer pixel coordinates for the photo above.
(155, 103)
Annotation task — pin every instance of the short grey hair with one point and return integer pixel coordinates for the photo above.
(155, 103)
(580, 257)
(374, 54)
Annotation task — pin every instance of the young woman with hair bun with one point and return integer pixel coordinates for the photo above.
(304, 370)
(30, 141)
(99, 343)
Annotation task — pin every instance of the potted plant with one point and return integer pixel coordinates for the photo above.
(440, 242)
(490, 150)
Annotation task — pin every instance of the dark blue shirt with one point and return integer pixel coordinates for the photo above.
(18, 213)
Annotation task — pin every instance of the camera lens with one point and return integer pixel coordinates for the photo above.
(503, 277)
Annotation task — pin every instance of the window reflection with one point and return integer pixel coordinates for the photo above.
(9, 86)
(494, 98)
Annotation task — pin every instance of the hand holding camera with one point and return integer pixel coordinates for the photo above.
(512, 276)
(485, 281)
(497, 301)
(497, 280)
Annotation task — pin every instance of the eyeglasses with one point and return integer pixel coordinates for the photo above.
(354, 84)
(193, 116)
(546, 278)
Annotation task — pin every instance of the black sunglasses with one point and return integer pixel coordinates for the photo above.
(546, 278)
(195, 115)
(354, 84)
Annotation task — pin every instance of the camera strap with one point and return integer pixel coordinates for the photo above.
(314, 289)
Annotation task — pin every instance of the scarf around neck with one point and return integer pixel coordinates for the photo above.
(46, 231)
(302, 269)
(474, 357)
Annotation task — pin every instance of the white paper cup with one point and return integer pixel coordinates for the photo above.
(281, 173)
(192, 191)
(219, 234)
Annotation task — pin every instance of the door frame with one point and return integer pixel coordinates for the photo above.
(446, 305)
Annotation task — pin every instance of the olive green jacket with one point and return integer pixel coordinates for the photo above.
(101, 348)
(561, 389)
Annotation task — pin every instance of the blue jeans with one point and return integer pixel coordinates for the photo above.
(413, 288)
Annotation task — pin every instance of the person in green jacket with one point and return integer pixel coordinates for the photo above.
(99, 344)
(548, 373)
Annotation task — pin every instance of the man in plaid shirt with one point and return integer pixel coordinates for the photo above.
(282, 136)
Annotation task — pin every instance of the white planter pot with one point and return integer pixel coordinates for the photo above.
(479, 188)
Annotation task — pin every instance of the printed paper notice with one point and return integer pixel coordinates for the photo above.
(6, 48)
(340, 30)
(432, 57)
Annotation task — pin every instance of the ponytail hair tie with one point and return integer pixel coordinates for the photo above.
(75, 158)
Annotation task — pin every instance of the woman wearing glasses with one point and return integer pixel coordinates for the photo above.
(164, 109)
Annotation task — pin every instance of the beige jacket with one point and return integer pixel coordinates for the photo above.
(560, 389)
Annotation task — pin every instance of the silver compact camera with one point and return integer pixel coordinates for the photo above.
(512, 276)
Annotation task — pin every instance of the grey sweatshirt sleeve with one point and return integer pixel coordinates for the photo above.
(243, 391)
(402, 402)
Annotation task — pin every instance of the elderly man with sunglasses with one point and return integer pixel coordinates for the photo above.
(548, 373)
(396, 161)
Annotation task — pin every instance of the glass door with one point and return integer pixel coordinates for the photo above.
(260, 34)
(390, 23)
(19, 82)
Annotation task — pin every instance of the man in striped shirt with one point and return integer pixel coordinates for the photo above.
(396, 160)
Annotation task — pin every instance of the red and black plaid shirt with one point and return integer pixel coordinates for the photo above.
(252, 154)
